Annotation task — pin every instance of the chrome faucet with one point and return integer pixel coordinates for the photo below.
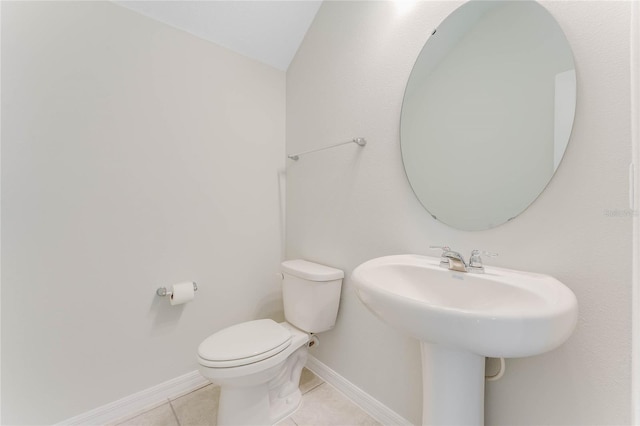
(454, 261)
(451, 260)
(475, 261)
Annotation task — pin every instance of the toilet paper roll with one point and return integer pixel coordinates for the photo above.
(182, 293)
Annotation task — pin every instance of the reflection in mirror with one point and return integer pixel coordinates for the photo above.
(487, 112)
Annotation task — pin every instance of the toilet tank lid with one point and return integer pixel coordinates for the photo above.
(311, 271)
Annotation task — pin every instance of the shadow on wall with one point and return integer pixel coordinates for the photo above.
(282, 204)
(165, 315)
(270, 307)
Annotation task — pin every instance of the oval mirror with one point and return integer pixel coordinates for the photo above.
(487, 112)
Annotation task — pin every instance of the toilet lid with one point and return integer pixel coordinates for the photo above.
(244, 343)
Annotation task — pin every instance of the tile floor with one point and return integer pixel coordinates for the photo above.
(322, 405)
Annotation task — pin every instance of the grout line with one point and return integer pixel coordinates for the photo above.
(174, 412)
(178, 396)
(320, 380)
(312, 388)
(350, 400)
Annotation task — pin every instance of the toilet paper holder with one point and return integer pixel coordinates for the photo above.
(162, 291)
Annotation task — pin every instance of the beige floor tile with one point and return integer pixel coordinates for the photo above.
(198, 408)
(286, 422)
(160, 416)
(327, 407)
(308, 381)
(322, 405)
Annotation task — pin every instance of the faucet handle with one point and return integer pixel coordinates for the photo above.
(484, 253)
(475, 261)
(444, 262)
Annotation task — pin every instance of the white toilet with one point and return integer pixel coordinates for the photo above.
(258, 363)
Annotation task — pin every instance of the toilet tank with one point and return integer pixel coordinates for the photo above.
(311, 295)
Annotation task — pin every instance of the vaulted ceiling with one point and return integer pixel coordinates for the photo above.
(268, 31)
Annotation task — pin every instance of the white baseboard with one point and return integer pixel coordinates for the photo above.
(372, 406)
(155, 396)
(139, 402)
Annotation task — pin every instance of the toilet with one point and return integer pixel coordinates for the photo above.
(257, 364)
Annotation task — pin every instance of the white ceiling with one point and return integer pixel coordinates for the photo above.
(268, 31)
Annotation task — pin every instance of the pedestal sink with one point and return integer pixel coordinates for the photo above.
(461, 318)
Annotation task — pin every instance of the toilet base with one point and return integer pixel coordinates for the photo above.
(251, 407)
(243, 406)
(284, 393)
(268, 403)
(263, 393)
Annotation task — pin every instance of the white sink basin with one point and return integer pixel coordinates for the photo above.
(460, 318)
(501, 313)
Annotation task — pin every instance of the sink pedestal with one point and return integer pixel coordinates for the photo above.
(453, 386)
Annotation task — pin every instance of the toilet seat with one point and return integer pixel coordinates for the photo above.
(244, 344)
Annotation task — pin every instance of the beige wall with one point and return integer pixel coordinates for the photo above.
(349, 205)
(133, 156)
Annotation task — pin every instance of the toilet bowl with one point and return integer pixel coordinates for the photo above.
(258, 364)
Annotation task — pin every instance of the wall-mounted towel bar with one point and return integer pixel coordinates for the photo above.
(359, 141)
